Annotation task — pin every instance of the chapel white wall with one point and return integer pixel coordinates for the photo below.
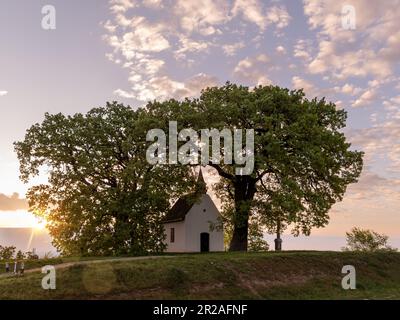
(180, 237)
(197, 221)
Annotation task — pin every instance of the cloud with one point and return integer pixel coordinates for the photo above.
(372, 185)
(143, 45)
(163, 87)
(121, 5)
(300, 83)
(392, 51)
(392, 104)
(372, 202)
(12, 203)
(310, 89)
(280, 50)
(3, 93)
(302, 49)
(143, 37)
(253, 69)
(369, 95)
(230, 49)
(153, 3)
(147, 44)
(380, 142)
(198, 82)
(124, 94)
(366, 98)
(372, 49)
(349, 89)
(188, 45)
(253, 11)
(201, 16)
(278, 16)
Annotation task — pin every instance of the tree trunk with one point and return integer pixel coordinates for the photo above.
(239, 238)
(245, 188)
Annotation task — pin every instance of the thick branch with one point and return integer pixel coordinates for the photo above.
(222, 173)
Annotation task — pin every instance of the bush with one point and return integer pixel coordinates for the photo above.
(7, 253)
(366, 241)
(31, 255)
(20, 255)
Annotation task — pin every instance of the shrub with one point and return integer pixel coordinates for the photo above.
(366, 241)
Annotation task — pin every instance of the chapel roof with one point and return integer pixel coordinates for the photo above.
(185, 203)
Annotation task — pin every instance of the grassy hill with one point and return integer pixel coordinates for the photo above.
(286, 275)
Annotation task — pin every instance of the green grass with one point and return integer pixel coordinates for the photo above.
(286, 275)
(32, 264)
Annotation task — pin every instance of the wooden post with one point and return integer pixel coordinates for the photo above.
(278, 240)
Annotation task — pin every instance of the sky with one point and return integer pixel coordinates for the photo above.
(134, 51)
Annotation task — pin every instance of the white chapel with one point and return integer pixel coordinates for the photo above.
(187, 224)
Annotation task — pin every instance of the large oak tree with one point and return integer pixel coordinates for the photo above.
(102, 196)
(303, 162)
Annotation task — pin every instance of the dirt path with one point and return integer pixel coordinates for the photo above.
(66, 265)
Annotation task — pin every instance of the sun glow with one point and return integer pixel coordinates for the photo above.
(21, 219)
(39, 225)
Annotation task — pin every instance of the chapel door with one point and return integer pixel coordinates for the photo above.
(204, 242)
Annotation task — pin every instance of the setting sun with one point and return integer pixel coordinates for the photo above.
(21, 219)
(39, 224)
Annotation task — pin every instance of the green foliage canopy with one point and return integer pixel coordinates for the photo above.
(102, 196)
(303, 163)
